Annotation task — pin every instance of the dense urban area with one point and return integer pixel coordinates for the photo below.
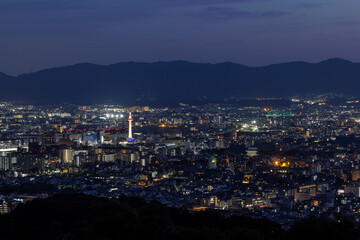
(281, 159)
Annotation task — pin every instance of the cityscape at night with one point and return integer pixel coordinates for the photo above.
(280, 159)
(179, 119)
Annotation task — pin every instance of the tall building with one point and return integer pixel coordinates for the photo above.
(5, 161)
(355, 174)
(212, 162)
(66, 155)
(130, 137)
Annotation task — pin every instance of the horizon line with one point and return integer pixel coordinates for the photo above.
(179, 60)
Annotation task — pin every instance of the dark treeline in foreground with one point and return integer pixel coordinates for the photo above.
(87, 217)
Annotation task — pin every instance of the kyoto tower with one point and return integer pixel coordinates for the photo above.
(130, 137)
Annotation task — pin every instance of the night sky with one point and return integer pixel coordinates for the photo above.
(37, 34)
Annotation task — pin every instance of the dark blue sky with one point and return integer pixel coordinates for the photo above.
(36, 34)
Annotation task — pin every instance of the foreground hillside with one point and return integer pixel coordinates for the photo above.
(87, 217)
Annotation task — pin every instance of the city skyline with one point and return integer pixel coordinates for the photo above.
(275, 161)
(173, 119)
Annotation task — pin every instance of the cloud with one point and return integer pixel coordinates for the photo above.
(195, 3)
(43, 11)
(227, 13)
(35, 12)
(313, 5)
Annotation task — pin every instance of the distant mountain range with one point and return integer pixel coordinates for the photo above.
(179, 80)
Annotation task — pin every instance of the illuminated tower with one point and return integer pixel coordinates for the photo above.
(130, 119)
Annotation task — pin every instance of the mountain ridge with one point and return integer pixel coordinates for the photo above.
(179, 80)
(335, 59)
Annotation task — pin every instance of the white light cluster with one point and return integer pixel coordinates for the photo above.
(114, 115)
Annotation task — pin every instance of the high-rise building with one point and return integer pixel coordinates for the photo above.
(212, 162)
(355, 175)
(67, 155)
(5, 161)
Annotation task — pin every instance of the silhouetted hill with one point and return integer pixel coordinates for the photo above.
(180, 80)
(86, 217)
(4, 77)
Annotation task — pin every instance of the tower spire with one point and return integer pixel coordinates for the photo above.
(130, 137)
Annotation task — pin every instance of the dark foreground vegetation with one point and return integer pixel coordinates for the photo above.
(87, 217)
